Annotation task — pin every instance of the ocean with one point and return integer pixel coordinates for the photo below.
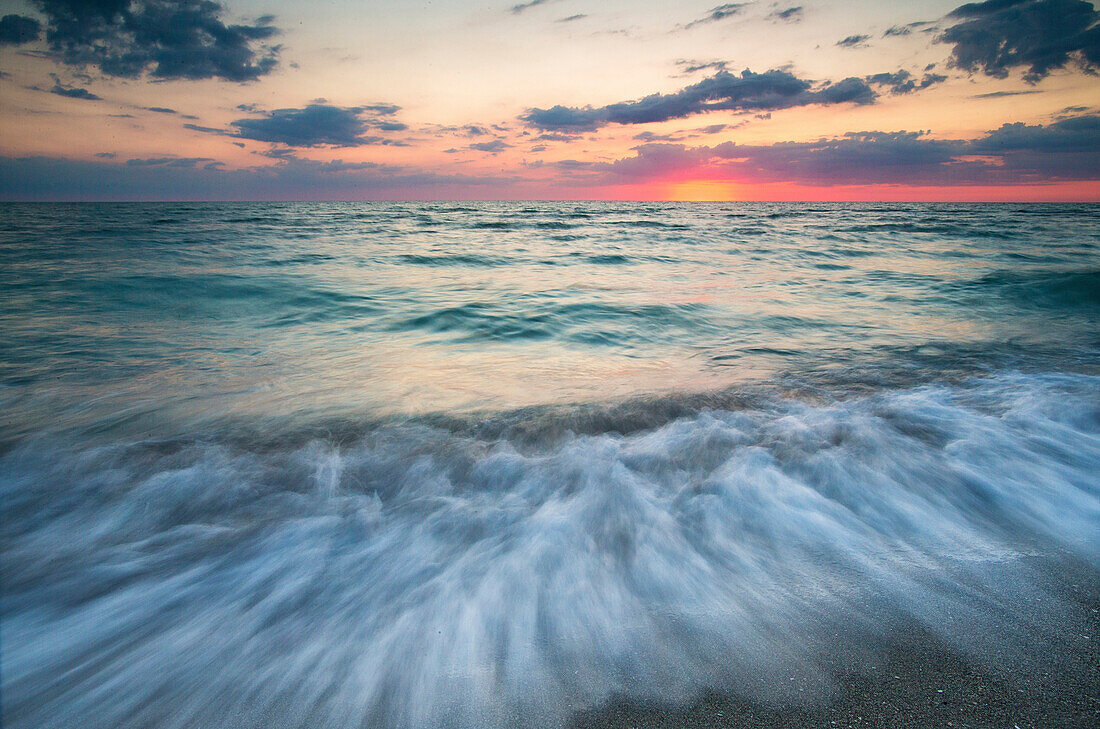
(498, 464)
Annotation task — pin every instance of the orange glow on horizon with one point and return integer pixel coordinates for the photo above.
(726, 190)
(702, 191)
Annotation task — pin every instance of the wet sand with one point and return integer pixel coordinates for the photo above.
(918, 682)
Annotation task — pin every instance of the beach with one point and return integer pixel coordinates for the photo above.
(917, 682)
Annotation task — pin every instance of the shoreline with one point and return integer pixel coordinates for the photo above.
(916, 682)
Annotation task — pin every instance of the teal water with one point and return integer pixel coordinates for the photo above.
(199, 312)
(489, 464)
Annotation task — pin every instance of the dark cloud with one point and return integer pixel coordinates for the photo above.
(17, 29)
(1065, 150)
(902, 82)
(159, 109)
(651, 137)
(1069, 135)
(790, 15)
(168, 39)
(690, 66)
(720, 12)
(898, 31)
(468, 130)
(208, 130)
(749, 91)
(565, 118)
(856, 158)
(73, 93)
(1068, 149)
(496, 145)
(571, 18)
(106, 155)
(167, 161)
(556, 137)
(853, 41)
(997, 36)
(382, 109)
(517, 9)
(850, 90)
(999, 94)
(276, 153)
(320, 125)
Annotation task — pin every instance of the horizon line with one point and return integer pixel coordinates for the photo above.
(71, 201)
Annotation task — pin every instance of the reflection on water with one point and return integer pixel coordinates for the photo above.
(215, 309)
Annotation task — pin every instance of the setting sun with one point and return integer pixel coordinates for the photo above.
(702, 191)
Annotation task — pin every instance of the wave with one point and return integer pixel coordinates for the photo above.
(1041, 288)
(300, 260)
(459, 209)
(649, 224)
(608, 259)
(458, 259)
(251, 219)
(522, 223)
(590, 322)
(554, 225)
(422, 576)
(961, 230)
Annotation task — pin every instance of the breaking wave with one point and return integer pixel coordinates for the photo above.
(425, 576)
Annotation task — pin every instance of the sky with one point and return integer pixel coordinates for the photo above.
(549, 99)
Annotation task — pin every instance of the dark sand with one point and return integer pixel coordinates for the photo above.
(919, 682)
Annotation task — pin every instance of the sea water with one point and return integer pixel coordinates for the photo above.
(490, 464)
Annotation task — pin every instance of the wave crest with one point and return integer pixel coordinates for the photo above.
(422, 577)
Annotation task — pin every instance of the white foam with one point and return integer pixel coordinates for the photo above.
(421, 578)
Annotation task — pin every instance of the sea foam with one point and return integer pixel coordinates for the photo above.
(420, 576)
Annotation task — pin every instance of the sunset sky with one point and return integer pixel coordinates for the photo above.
(549, 99)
